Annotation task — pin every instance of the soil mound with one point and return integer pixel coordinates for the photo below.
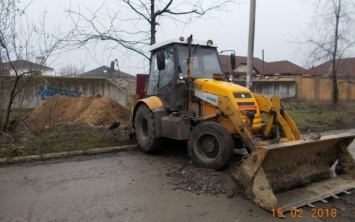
(92, 110)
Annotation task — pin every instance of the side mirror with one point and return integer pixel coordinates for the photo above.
(233, 61)
(161, 60)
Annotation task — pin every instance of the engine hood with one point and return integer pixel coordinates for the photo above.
(218, 87)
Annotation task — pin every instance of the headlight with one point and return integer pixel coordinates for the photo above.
(230, 78)
(181, 76)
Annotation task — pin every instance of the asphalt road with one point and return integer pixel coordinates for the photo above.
(125, 186)
(128, 186)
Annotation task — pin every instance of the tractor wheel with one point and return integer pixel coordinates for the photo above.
(145, 130)
(210, 145)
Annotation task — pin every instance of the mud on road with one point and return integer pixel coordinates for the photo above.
(132, 186)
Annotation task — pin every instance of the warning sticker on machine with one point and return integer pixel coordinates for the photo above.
(213, 99)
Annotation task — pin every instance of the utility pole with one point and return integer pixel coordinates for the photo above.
(251, 43)
(263, 62)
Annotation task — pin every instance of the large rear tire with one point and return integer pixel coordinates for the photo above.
(145, 130)
(210, 145)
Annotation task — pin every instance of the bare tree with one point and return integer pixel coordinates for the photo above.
(333, 36)
(71, 70)
(142, 16)
(20, 42)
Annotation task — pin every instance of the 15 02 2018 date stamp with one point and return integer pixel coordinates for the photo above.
(315, 213)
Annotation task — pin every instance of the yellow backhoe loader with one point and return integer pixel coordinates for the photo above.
(189, 98)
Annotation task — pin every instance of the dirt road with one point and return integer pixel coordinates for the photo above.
(127, 186)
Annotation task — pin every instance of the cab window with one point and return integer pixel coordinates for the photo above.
(166, 75)
(152, 88)
(160, 78)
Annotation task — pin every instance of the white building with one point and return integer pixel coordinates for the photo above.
(23, 67)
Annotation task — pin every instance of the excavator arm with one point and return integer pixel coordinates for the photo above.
(278, 121)
(276, 115)
(275, 168)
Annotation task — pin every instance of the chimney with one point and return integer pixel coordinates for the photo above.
(112, 67)
(40, 60)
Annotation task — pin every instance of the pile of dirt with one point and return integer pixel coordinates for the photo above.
(127, 88)
(93, 110)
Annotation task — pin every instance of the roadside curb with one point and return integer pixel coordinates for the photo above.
(48, 156)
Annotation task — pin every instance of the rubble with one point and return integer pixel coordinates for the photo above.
(201, 180)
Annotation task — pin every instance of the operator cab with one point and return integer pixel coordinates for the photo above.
(169, 65)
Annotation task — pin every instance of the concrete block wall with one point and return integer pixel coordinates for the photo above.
(285, 88)
(38, 89)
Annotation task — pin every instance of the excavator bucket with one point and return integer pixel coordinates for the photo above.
(293, 174)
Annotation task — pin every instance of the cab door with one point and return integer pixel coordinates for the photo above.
(162, 80)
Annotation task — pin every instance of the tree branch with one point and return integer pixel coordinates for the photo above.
(128, 2)
(165, 9)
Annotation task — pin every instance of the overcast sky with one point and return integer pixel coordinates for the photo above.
(280, 25)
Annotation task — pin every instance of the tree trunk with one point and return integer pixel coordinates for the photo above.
(11, 100)
(152, 23)
(334, 56)
(335, 84)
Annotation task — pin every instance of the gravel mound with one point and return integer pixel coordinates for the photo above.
(201, 180)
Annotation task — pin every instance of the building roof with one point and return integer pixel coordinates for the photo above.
(262, 67)
(105, 71)
(345, 67)
(283, 67)
(25, 65)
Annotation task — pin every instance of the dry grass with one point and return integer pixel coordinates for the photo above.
(57, 139)
(322, 116)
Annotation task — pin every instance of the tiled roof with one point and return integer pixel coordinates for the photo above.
(281, 67)
(104, 71)
(284, 67)
(345, 67)
(226, 64)
(24, 64)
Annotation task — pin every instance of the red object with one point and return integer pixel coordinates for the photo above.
(141, 84)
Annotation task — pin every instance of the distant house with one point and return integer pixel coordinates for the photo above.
(345, 68)
(26, 67)
(107, 72)
(260, 67)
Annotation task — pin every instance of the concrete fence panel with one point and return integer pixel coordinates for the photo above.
(38, 89)
(35, 90)
(282, 88)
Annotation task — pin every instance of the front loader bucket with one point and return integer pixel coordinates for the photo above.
(293, 174)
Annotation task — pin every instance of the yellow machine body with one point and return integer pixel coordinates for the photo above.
(279, 161)
(242, 98)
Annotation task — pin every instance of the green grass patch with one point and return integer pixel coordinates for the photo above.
(321, 117)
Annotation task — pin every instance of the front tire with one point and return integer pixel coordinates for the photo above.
(210, 145)
(145, 130)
